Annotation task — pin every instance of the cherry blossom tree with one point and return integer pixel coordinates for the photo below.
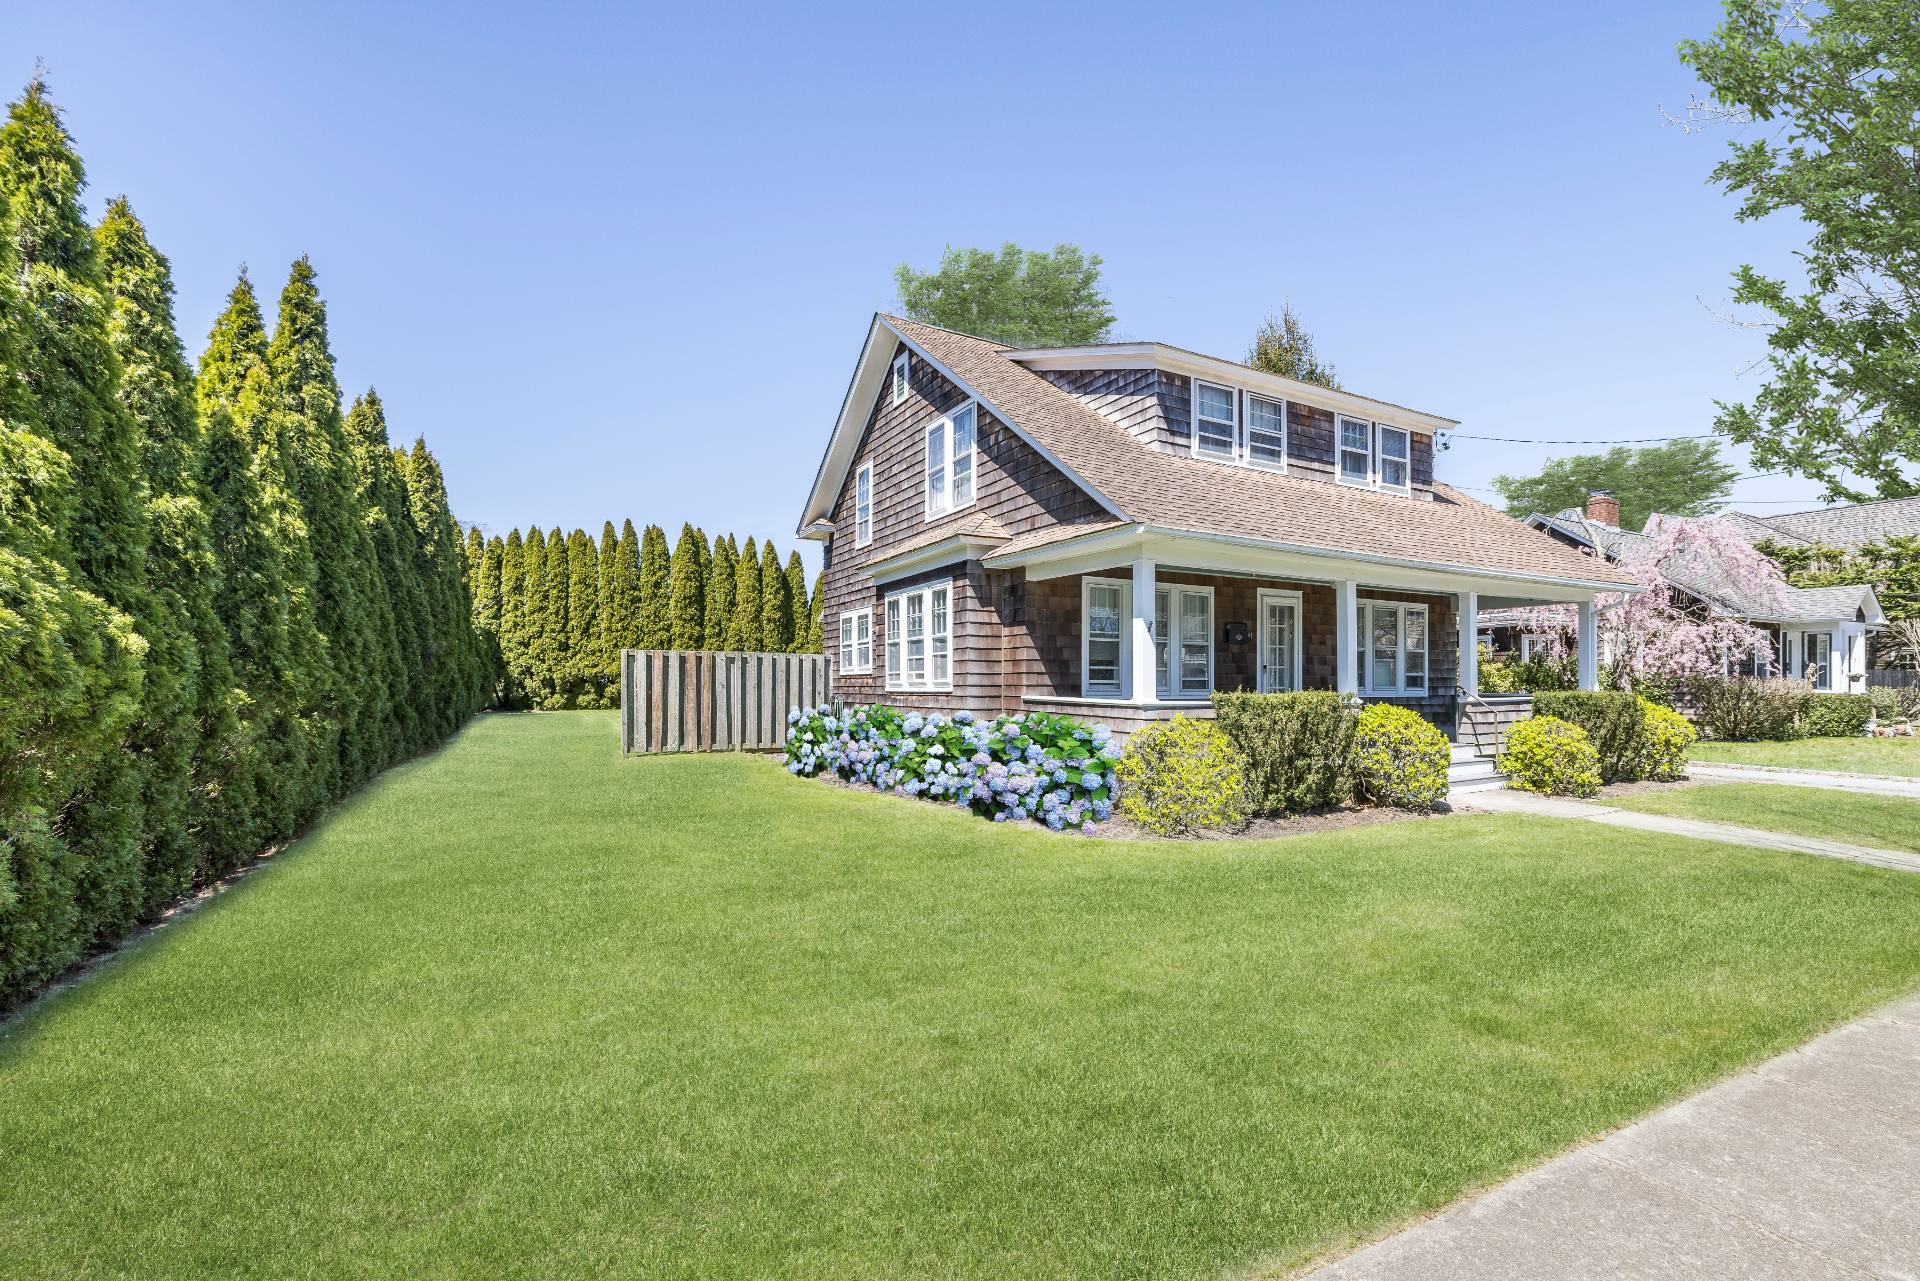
(1666, 632)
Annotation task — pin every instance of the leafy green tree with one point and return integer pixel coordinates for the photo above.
(721, 567)
(776, 603)
(70, 368)
(1283, 346)
(801, 612)
(586, 675)
(816, 634)
(1891, 564)
(1679, 478)
(400, 608)
(656, 622)
(352, 696)
(190, 729)
(688, 591)
(744, 632)
(1021, 297)
(1837, 89)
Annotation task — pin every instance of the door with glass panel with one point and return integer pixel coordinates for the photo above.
(1183, 641)
(1817, 658)
(1279, 641)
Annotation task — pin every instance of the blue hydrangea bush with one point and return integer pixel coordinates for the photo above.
(1049, 769)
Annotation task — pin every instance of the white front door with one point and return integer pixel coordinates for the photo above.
(1279, 641)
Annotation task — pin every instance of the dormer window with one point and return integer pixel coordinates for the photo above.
(900, 381)
(1266, 432)
(950, 458)
(1375, 455)
(1356, 451)
(1392, 442)
(1216, 430)
(863, 506)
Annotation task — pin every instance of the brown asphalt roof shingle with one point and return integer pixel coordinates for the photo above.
(1193, 495)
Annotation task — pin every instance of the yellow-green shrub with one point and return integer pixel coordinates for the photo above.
(1548, 755)
(1666, 738)
(1400, 759)
(1179, 776)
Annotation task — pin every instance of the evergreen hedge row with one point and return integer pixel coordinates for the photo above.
(223, 602)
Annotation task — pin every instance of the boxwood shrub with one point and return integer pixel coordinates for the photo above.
(1614, 721)
(1835, 715)
(1400, 759)
(1668, 736)
(1296, 750)
(1180, 776)
(1051, 769)
(1553, 757)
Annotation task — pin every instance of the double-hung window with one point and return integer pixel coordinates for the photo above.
(863, 506)
(1377, 455)
(900, 380)
(1356, 451)
(950, 458)
(919, 642)
(856, 642)
(1183, 641)
(1104, 608)
(1393, 647)
(1266, 432)
(1394, 457)
(1216, 428)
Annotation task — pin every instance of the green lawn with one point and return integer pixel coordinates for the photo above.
(523, 1009)
(1886, 822)
(1855, 755)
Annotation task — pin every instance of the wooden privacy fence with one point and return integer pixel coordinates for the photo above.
(1892, 678)
(710, 701)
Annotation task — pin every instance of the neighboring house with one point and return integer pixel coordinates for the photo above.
(1118, 530)
(1844, 528)
(1817, 632)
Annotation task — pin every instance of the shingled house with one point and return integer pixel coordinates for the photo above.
(1116, 531)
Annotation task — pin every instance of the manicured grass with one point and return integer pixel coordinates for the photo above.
(523, 1009)
(1885, 822)
(1853, 755)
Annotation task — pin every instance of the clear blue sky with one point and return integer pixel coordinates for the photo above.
(617, 261)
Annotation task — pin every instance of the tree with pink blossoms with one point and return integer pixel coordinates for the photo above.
(1666, 632)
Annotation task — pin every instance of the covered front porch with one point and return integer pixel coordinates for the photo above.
(1135, 625)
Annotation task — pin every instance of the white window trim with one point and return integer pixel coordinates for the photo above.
(944, 426)
(1363, 631)
(1380, 460)
(1246, 432)
(900, 377)
(1173, 590)
(1125, 683)
(865, 474)
(1808, 663)
(1341, 449)
(927, 685)
(1298, 603)
(849, 651)
(1236, 433)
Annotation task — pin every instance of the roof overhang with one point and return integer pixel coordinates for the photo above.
(869, 375)
(1154, 355)
(1866, 603)
(1230, 554)
(917, 560)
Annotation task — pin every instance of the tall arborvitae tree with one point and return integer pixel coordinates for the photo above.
(401, 607)
(623, 591)
(551, 653)
(69, 663)
(476, 543)
(799, 602)
(816, 609)
(776, 603)
(609, 639)
(355, 691)
(586, 677)
(743, 633)
(453, 649)
(191, 729)
(720, 572)
(656, 622)
(531, 618)
(71, 370)
(512, 579)
(688, 592)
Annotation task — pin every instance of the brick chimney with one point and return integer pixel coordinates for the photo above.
(1603, 508)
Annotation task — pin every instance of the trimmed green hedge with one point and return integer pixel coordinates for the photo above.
(1400, 759)
(1836, 716)
(1296, 750)
(1180, 777)
(1614, 720)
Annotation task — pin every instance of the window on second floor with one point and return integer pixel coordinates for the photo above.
(1216, 428)
(1376, 455)
(900, 380)
(950, 462)
(863, 506)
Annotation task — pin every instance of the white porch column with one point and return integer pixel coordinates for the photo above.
(1589, 648)
(1469, 674)
(1346, 616)
(1142, 684)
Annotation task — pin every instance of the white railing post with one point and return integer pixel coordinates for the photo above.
(1468, 677)
(1589, 648)
(1346, 643)
(1142, 686)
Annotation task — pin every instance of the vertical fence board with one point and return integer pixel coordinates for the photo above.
(707, 701)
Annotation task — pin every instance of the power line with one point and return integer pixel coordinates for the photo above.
(1632, 440)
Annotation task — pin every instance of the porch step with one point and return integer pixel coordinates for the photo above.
(1471, 772)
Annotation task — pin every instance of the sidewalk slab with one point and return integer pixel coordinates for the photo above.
(1876, 784)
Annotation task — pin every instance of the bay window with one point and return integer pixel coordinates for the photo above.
(856, 642)
(919, 642)
(1393, 647)
(950, 459)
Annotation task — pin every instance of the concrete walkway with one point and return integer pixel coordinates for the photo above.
(1879, 784)
(1513, 801)
(1807, 1167)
